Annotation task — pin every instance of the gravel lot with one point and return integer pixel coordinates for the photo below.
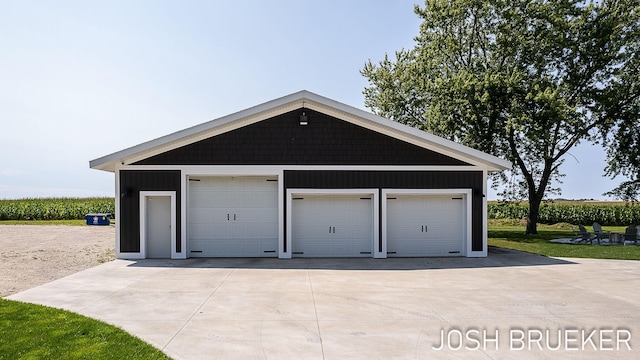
(32, 255)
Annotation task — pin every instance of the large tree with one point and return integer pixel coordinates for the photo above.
(524, 80)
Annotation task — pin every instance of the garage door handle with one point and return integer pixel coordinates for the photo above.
(424, 228)
(234, 217)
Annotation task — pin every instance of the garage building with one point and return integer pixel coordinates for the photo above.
(300, 176)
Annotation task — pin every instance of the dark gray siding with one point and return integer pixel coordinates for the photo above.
(131, 183)
(316, 179)
(281, 140)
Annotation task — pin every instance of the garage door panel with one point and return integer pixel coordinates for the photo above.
(443, 247)
(233, 217)
(214, 215)
(318, 249)
(201, 216)
(310, 231)
(205, 247)
(232, 248)
(354, 231)
(255, 230)
(262, 215)
(259, 231)
(199, 231)
(237, 247)
(409, 246)
(332, 226)
(347, 248)
(263, 199)
(258, 247)
(200, 200)
(205, 231)
(351, 247)
(425, 225)
(213, 199)
(245, 199)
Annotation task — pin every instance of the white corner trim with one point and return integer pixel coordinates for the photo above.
(184, 195)
(281, 214)
(118, 196)
(143, 222)
(485, 220)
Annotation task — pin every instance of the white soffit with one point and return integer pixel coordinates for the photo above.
(289, 103)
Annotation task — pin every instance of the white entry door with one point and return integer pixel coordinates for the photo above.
(332, 225)
(425, 225)
(233, 217)
(158, 213)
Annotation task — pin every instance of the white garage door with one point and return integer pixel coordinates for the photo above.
(332, 225)
(233, 217)
(425, 225)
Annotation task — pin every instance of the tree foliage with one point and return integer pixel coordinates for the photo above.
(524, 80)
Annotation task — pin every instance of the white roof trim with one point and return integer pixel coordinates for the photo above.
(291, 102)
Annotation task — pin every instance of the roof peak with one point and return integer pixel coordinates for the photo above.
(299, 99)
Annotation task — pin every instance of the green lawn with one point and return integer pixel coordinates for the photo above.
(30, 331)
(507, 234)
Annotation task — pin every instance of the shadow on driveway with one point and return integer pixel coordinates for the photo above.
(498, 257)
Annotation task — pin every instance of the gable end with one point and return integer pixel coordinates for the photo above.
(281, 140)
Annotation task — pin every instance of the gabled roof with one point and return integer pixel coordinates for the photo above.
(301, 99)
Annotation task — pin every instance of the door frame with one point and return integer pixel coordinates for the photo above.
(374, 216)
(466, 195)
(144, 195)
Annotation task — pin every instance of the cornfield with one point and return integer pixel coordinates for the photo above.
(550, 213)
(54, 208)
(573, 213)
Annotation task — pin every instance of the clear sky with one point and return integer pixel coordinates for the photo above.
(83, 79)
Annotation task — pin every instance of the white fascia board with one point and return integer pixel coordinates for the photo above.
(304, 99)
(270, 170)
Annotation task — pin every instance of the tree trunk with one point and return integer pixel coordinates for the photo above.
(534, 212)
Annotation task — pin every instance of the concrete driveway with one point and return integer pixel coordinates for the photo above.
(508, 306)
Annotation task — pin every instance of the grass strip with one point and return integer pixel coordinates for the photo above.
(512, 236)
(31, 331)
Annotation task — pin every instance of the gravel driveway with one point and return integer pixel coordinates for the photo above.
(32, 255)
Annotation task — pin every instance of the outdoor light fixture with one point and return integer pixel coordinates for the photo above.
(128, 192)
(303, 119)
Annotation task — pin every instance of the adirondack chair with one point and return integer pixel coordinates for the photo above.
(584, 236)
(600, 234)
(631, 234)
